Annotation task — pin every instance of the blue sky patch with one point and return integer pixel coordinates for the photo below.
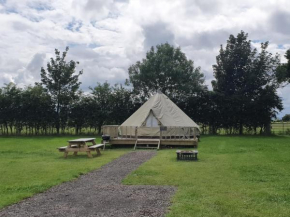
(74, 26)
(280, 46)
(40, 7)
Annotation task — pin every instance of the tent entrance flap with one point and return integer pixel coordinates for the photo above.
(151, 121)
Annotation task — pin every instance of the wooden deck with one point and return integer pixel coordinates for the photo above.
(163, 142)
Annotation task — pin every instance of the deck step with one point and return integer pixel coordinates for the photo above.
(144, 147)
(147, 142)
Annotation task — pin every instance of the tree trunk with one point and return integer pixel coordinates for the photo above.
(268, 129)
(241, 128)
(57, 119)
(212, 129)
(99, 129)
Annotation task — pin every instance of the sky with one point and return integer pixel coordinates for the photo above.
(107, 36)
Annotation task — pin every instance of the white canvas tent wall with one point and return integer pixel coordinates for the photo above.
(159, 111)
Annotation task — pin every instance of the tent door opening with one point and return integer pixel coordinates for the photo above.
(151, 121)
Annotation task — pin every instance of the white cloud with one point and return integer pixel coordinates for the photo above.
(108, 36)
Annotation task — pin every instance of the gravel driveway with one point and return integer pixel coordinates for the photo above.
(99, 193)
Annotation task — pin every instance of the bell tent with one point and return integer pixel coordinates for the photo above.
(158, 114)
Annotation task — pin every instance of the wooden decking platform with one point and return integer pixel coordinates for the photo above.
(163, 142)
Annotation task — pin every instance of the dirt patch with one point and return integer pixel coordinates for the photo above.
(99, 193)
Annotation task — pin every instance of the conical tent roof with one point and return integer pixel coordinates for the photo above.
(164, 110)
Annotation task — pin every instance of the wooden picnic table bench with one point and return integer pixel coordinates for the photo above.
(80, 145)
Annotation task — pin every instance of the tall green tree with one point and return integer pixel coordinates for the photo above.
(246, 79)
(62, 82)
(283, 71)
(166, 68)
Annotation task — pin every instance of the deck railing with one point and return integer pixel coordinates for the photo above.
(111, 130)
(135, 132)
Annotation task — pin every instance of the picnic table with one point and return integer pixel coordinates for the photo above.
(81, 145)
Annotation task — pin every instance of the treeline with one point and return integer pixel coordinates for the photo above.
(243, 100)
(30, 110)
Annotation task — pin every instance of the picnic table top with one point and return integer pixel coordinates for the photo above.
(82, 140)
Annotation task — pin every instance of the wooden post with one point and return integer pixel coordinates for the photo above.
(98, 151)
(136, 132)
(89, 154)
(65, 154)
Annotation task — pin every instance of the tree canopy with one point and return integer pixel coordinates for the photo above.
(61, 81)
(167, 69)
(286, 117)
(245, 79)
(283, 71)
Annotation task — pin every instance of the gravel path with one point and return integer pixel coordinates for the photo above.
(99, 193)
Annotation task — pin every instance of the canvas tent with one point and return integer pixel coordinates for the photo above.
(159, 112)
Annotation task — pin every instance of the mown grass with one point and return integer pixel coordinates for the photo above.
(234, 176)
(30, 165)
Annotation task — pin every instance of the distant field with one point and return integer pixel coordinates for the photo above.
(235, 176)
(277, 128)
(281, 128)
(29, 165)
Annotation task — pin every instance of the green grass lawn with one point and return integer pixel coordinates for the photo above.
(235, 176)
(29, 165)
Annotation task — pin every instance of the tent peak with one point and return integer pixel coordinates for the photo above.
(164, 110)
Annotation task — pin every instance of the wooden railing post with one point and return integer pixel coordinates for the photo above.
(136, 132)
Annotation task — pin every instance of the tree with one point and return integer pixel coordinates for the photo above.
(246, 79)
(10, 108)
(286, 118)
(122, 104)
(61, 81)
(80, 113)
(100, 103)
(167, 69)
(283, 71)
(37, 110)
(109, 105)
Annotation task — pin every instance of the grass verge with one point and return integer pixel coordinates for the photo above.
(29, 165)
(234, 176)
